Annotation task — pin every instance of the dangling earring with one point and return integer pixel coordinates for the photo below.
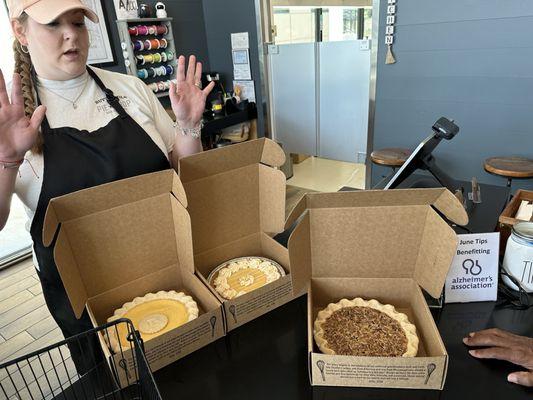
(23, 48)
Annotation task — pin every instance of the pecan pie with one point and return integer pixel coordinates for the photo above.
(365, 328)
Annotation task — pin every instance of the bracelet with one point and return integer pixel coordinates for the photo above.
(195, 132)
(11, 164)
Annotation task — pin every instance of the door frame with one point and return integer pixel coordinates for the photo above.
(263, 16)
(372, 91)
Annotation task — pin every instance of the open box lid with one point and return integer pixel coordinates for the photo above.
(375, 234)
(234, 191)
(113, 234)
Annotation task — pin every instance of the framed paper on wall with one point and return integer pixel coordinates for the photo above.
(126, 8)
(241, 56)
(101, 52)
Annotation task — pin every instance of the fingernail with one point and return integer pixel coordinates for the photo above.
(465, 340)
(472, 352)
(471, 334)
(512, 378)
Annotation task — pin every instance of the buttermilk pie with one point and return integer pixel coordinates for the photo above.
(152, 315)
(242, 275)
(364, 328)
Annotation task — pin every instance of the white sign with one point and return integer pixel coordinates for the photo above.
(240, 56)
(247, 90)
(473, 275)
(126, 8)
(242, 72)
(240, 41)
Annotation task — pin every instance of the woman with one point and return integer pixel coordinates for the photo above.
(68, 126)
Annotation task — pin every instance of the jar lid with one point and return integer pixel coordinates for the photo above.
(524, 230)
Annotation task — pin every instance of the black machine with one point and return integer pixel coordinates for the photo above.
(421, 158)
(215, 100)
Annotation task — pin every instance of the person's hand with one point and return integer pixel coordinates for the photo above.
(186, 96)
(17, 132)
(503, 345)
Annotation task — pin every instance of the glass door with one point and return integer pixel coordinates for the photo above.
(319, 79)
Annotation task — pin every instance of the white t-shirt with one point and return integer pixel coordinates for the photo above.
(92, 113)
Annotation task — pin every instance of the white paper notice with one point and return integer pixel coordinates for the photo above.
(247, 90)
(473, 275)
(242, 72)
(240, 40)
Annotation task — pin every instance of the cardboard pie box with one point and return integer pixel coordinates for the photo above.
(382, 245)
(125, 239)
(507, 218)
(237, 203)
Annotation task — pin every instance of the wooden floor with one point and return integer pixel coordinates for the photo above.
(26, 326)
(25, 322)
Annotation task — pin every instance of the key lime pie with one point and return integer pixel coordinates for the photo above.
(242, 275)
(365, 328)
(152, 315)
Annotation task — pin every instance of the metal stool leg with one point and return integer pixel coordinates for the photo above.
(384, 179)
(509, 183)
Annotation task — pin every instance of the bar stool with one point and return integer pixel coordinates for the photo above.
(510, 167)
(392, 157)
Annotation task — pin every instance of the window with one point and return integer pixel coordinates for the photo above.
(15, 240)
(298, 24)
(294, 24)
(349, 19)
(346, 23)
(367, 31)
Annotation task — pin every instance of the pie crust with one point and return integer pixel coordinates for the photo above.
(242, 275)
(152, 315)
(370, 338)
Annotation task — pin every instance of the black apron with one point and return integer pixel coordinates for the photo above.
(75, 160)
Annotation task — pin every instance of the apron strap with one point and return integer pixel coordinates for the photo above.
(112, 100)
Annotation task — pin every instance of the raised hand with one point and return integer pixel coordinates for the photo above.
(186, 96)
(17, 132)
(503, 345)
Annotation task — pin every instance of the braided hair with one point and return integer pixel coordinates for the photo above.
(24, 66)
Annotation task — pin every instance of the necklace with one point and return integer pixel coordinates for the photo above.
(73, 102)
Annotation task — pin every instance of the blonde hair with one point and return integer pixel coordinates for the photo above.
(24, 66)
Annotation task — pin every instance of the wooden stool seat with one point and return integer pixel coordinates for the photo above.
(391, 157)
(510, 167)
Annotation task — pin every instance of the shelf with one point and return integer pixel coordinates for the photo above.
(145, 20)
(214, 124)
(130, 54)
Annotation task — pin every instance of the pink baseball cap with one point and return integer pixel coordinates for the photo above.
(45, 11)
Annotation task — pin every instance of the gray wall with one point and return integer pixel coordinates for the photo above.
(222, 18)
(471, 61)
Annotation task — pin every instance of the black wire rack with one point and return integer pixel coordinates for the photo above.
(77, 369)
